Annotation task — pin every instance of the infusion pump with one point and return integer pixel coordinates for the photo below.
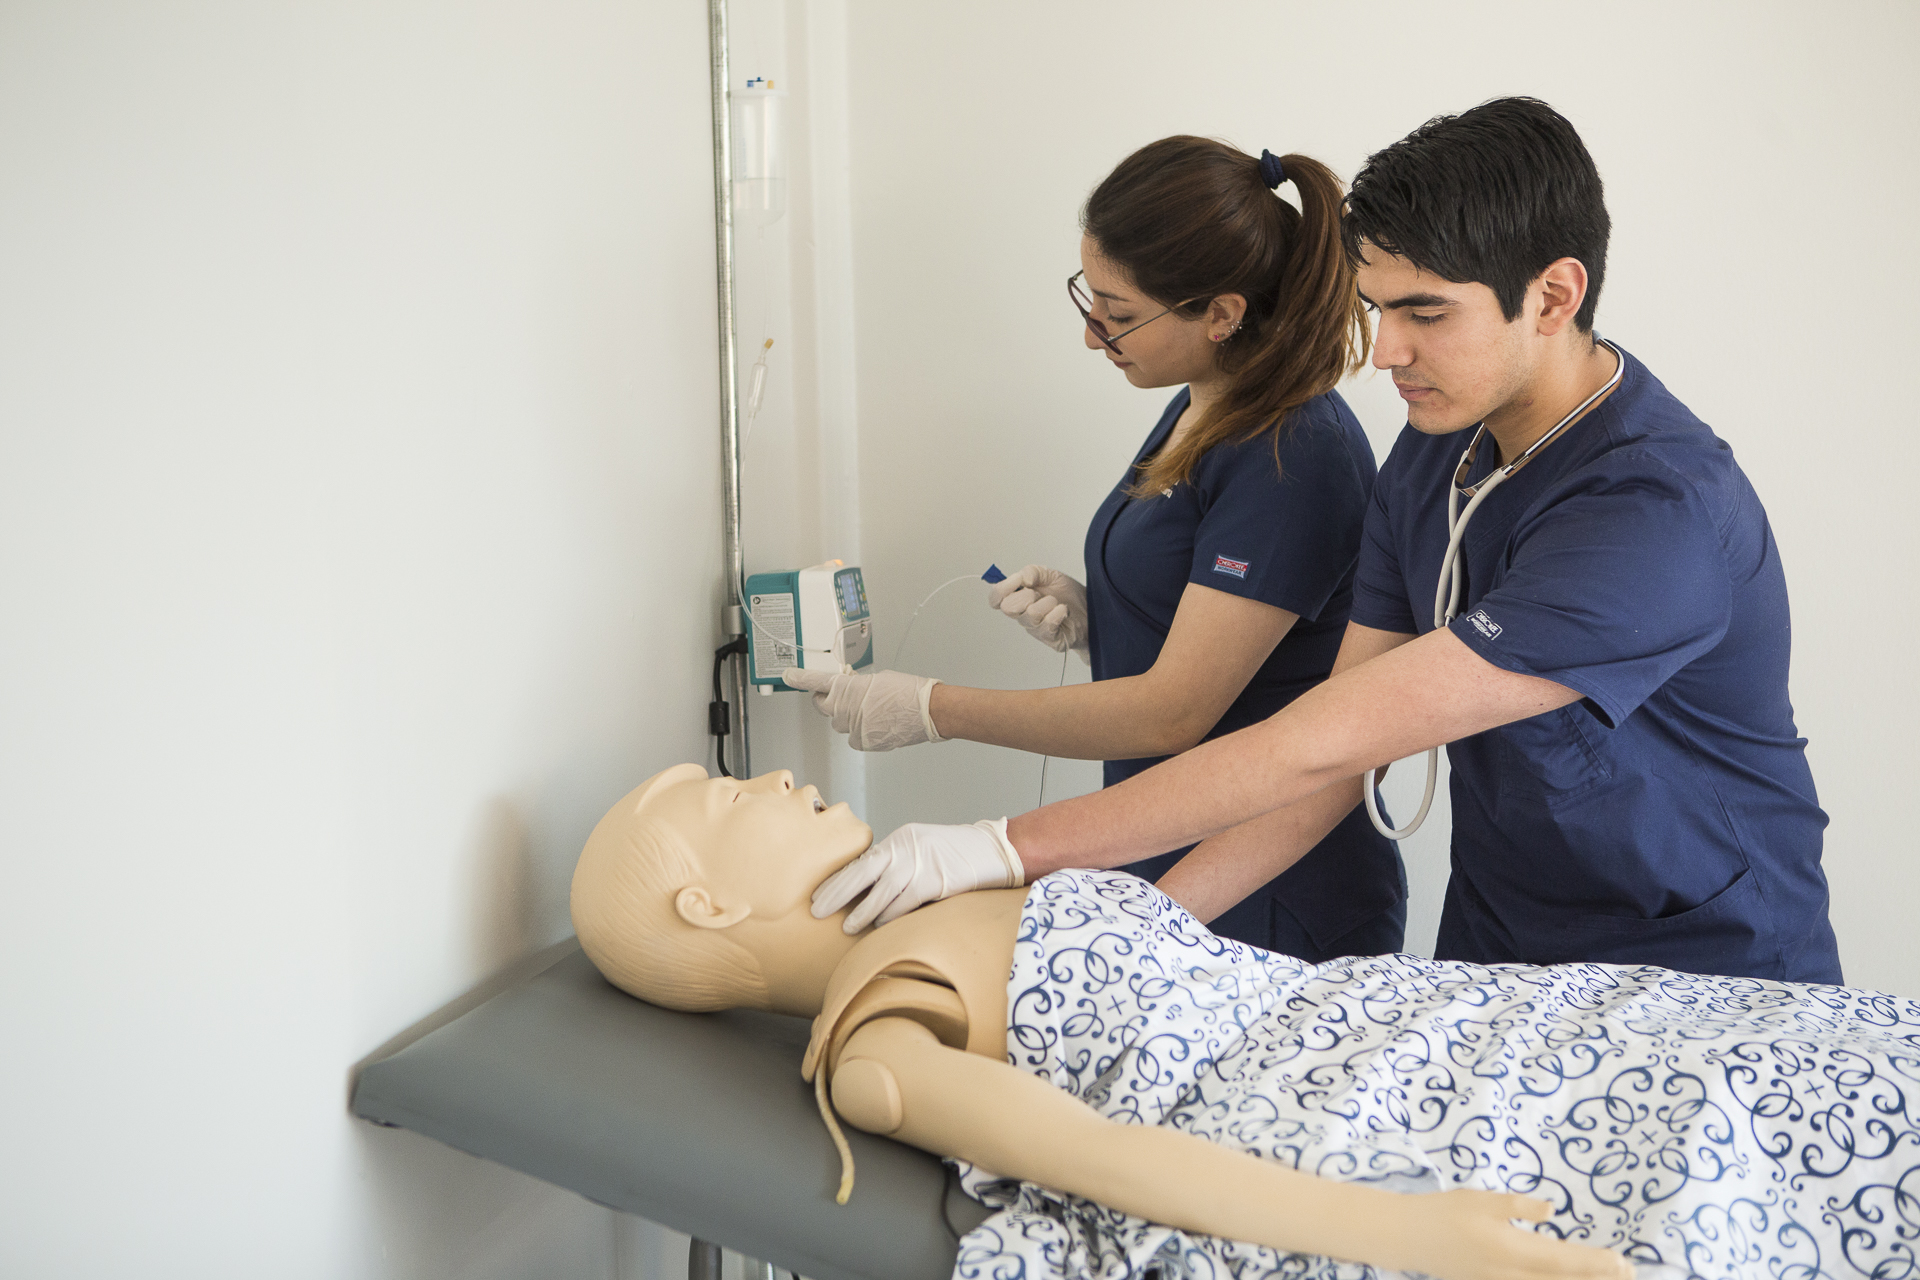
(814, 618)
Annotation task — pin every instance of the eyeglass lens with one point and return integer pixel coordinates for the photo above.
(1083, 303)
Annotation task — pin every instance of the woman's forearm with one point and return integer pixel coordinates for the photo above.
(1227, 868)
(1121, 719)
(1214, 647)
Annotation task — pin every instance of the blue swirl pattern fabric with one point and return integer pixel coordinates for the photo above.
(1725, 1128)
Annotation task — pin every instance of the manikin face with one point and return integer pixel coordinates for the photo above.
(1454, 357)
(1169, 352)
(762, 843)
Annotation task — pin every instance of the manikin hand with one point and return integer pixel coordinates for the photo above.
(1048, 603)
(877, 711)
(918, 864)
(1469, 1235)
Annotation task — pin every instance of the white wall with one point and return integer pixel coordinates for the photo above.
(1760, 172)
(358, 543)
(359, 490)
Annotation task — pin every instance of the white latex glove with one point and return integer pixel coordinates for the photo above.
(878, 710)
(1049, 604)
(920, 863)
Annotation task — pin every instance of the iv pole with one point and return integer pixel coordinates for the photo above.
(733, 621)
(704, 1258)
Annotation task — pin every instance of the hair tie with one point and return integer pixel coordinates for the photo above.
(1271, 171)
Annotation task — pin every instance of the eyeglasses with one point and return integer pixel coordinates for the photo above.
(1084, 305)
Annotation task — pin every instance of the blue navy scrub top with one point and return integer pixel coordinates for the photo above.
(1669, 816)
(1287, 535)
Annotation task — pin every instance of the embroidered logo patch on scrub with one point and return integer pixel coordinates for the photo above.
(1238, 568)
(1484, 625)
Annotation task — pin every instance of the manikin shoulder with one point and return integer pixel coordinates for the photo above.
(969, 937)
(945, 966)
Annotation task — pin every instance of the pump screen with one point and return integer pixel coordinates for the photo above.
(849, 596)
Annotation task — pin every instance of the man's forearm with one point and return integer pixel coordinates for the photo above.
(1216, 786)
(1430, 691)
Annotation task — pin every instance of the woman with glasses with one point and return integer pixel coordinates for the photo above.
(1220, 569)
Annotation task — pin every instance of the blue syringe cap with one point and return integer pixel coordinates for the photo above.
(993, 574)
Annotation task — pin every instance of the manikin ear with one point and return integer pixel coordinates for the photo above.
(697, 907)
(1562, 287)
(1224, 315)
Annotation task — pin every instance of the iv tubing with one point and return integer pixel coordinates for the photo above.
(756, 391)
(898, 649)
(1041, 801)
(754, 618)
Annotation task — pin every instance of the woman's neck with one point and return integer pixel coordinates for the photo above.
(1202, 395)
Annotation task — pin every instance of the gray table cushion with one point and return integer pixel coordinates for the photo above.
(697, 1121)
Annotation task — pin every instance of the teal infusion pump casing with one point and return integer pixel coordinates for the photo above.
(813, 618)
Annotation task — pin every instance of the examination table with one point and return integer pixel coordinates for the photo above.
(697, 1121)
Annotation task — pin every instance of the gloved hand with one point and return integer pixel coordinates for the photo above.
(920, 863)
(878, 711)
(1048, 603)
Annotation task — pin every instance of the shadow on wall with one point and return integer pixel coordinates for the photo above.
(440, 1214)
(503, 887)
(421, 1195)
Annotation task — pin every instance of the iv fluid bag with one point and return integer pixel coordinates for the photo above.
(759, 156)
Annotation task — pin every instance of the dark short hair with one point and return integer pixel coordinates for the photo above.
(1491, 196)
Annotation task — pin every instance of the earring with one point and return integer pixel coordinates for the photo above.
(1222, 337)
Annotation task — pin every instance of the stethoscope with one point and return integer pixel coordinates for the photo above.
(1446, 593)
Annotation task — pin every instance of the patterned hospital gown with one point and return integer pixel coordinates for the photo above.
(1713, 1127)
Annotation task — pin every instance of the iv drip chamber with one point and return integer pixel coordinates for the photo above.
(759, 153)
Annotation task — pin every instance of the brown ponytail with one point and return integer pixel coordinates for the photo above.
(1191, 218)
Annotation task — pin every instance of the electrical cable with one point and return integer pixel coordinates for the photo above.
(719, 710)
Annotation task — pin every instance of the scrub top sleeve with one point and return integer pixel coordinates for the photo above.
(1284, 535)
(1610, 591)
(1380, 598)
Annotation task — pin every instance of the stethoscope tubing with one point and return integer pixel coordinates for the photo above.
(1452, 582)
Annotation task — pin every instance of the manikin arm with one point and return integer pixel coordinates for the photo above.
(896, 1078)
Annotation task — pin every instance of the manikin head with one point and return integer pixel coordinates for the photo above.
(1482, 241)
(694, 892)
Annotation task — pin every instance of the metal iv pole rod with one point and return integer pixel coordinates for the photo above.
(733, 617)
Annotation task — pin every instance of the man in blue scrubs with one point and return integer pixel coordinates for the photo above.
(1628, 784)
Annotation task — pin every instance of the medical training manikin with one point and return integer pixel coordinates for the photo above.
(1133, 1092)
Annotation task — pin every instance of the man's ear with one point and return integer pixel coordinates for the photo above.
(1563, 287)
(697, 907)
